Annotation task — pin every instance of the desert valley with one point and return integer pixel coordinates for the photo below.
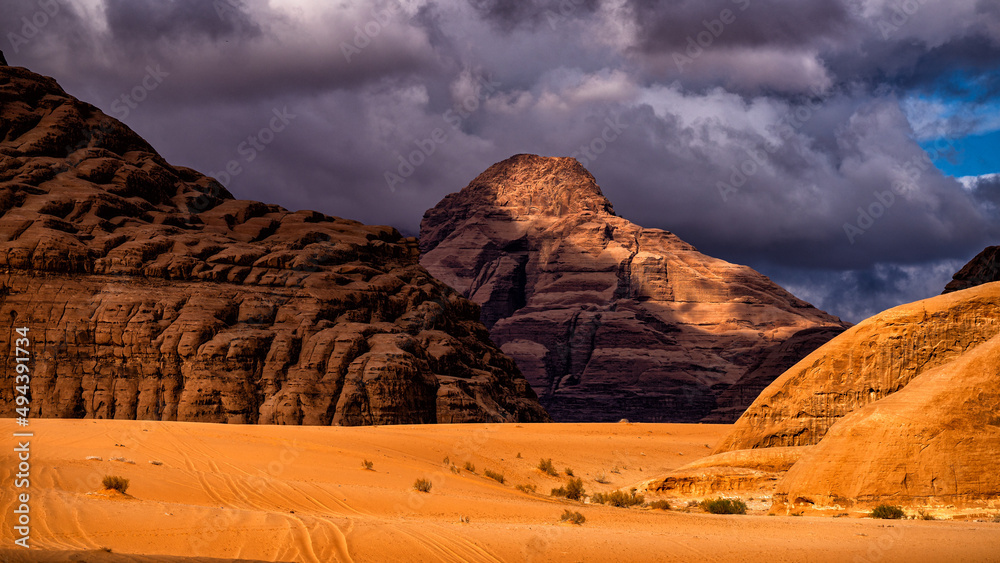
(190, 376)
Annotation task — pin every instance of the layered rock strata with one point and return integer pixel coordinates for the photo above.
(606, 319)
(150, 292)
(900, 409)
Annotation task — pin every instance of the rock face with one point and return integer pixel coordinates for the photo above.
(984, 268)
(150, 293)
(607, 319)
(902, 408)
(935, 442)
(868, 362)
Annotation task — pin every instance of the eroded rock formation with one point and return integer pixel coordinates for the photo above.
(150, 293)
(607, 319)
(984, 268)
(868, 362)
(902, 408)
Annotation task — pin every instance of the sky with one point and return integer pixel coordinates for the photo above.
(848, 149)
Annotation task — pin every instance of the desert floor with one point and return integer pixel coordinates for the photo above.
(282, 493)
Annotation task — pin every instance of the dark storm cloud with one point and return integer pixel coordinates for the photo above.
(510, 14)
(144, 21)
(671, 26)
(799, 103)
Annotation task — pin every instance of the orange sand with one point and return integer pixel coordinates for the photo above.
(282, 493)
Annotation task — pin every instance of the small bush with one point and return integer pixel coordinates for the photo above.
(618, 498)
(572, 517)
(924, 515)
(724, 506)
(529, 488)
(446, 460)
(659, 505)
(115, 482)
(569, 472)
(155, 462)
(887, 512)
(469, 467)
(602, 478)
(368, 464)
(422, 485)
(545, 465)
(573, 490)
(455, 470)
(518, 455)
(498, 477)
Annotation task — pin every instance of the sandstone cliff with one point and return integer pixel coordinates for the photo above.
(868, 362)
(150, 293)
(934, 443)
(607, 319)
(902, 408)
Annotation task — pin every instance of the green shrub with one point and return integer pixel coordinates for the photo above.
(569, 472)
(115, 482)
(498, 477)
(602, 478)
(724, 506)
(659, 505)
(469, 467)
(618, 498)
(455, 470)
(572, 517)
(545, 465)
(573, 490)
(529, 488)
(369, 465)
(887, 512)
(422, 485)
(924, 515)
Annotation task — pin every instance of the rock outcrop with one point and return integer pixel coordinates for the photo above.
(984, 268)
(902, 408)
(607, 319)
(150, 293)
(934, 443)
(868, 362)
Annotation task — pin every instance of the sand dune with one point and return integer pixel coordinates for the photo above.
(280, 493)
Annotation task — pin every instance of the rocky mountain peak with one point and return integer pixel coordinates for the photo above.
(605, 318)
(524, 186)
(537, 185)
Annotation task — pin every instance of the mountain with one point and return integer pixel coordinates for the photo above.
(984, 268)
(607, 319)
(149, 292)
(903, 408)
